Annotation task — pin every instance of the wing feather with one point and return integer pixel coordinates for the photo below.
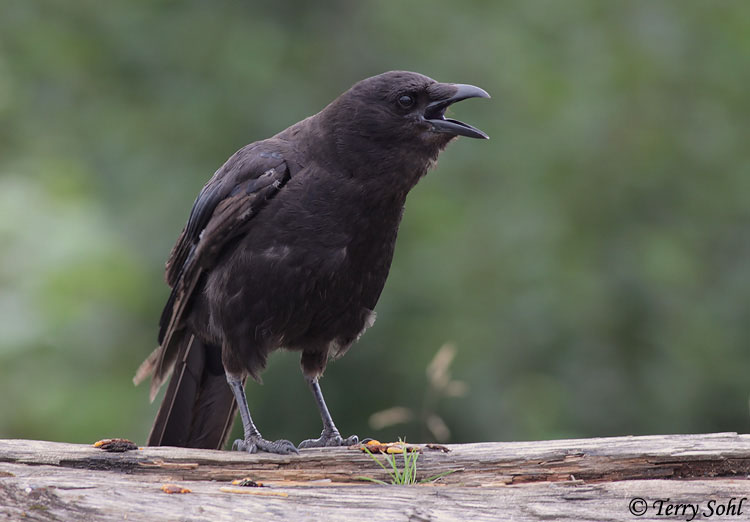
(222, 211)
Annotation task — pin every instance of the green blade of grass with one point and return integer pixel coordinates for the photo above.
(370, 479)
(397, 477)
(410, 467)
(376, 460)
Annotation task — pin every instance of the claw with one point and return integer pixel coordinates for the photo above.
(256, 444)
(327, 440)
(350, 440)
(243, 445)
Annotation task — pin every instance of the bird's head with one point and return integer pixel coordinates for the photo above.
(400, 109)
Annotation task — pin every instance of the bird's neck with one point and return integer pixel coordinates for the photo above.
(378, 166)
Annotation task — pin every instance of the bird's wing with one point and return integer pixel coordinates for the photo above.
(222, 211)
(248, 171)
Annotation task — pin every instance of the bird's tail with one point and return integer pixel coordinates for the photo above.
(198, 409)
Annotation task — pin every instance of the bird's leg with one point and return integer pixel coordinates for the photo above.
(253, 442)
(330, 435)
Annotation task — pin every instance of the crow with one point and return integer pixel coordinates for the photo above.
(288, 246)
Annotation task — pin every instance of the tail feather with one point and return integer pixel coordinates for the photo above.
(198, 409)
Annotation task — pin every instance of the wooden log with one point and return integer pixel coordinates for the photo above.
(674, 476)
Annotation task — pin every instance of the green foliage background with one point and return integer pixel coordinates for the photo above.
(589, 262)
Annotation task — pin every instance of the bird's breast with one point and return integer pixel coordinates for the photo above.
(310, 268)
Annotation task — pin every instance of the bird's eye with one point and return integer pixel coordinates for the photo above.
(406, 101)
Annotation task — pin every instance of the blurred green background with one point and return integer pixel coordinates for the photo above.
(590, 263)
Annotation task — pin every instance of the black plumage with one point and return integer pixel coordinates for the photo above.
(288, 246)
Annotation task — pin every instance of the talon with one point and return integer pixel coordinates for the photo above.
(255, 444)
(328, 440)
(244, 445)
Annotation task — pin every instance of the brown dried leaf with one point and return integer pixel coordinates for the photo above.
(375, 446)
(174, 488)
(116, 445)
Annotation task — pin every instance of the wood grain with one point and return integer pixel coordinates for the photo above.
(584, 479)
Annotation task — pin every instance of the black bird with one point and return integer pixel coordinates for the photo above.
(288, 246)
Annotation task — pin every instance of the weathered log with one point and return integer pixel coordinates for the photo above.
(585, 479)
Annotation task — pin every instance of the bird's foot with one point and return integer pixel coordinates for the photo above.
(328, 439)
(255, 444)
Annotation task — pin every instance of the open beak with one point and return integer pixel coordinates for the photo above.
(434, 113)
